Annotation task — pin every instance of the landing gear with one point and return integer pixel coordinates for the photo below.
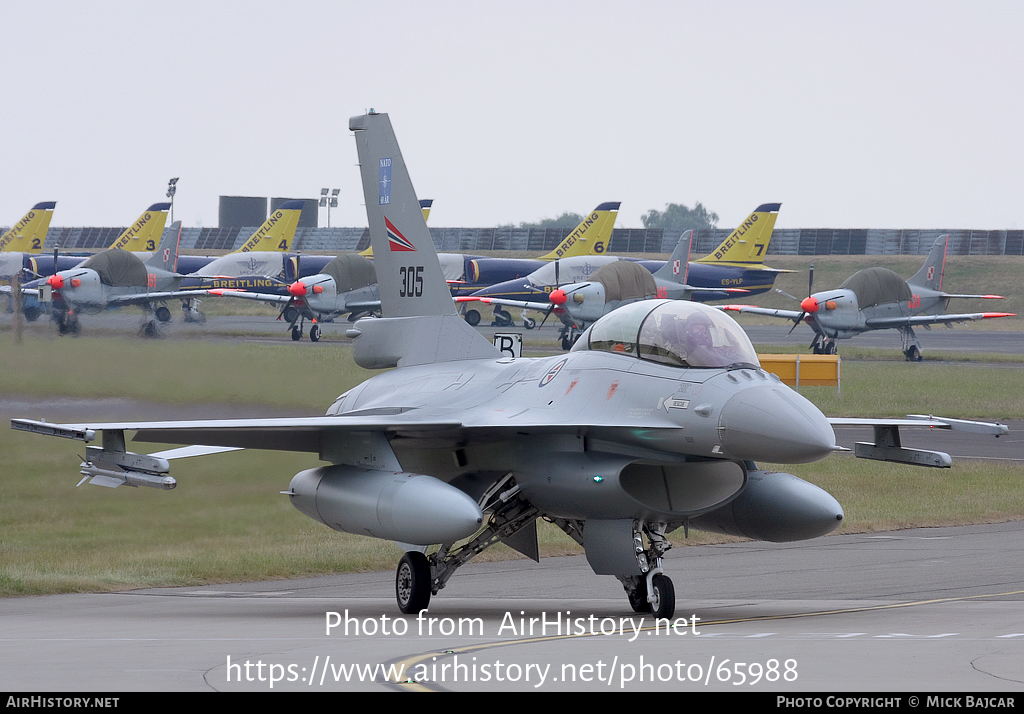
(67, 323)
(663, 596)
(296, 333)
(911, 347)
(823, 345)
(652, 591)
(163, 314)
(314, 333)
(501, 318)
(413, 583)
(529, 323)
(569, 336)
(472, 317)
(506, 514)
(190, 312)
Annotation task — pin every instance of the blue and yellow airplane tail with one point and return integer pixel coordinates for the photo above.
(29, 234)
(277, 232)
(591, 236)
(748, 244)
(145, 234)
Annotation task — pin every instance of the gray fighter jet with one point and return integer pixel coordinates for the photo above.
(879, 299)
(457, 447)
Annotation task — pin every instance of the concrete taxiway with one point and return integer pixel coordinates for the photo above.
(923, 610)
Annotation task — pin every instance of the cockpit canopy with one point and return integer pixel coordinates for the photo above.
(675, 332)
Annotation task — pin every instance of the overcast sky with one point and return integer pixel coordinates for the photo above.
(861, 114)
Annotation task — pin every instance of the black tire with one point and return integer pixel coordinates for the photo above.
(638, 598)
(529, 323)
(913, 354)
(502, 318)
(412, 583)
(664, 604)
(31, 313)
(296, 333)
(473, 317)
(314, 333)
(290, 314)
(163, 314)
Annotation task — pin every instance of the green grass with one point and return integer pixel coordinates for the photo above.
(226, 521)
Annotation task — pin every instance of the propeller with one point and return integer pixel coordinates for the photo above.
(809, 305)
(551, 297)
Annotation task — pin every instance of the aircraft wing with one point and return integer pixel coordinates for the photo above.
(6, 290)
(246, 295)
(144, 298)
(525, 304)
(879, 323)
(771, 312)
(284, 434)
(887, 445)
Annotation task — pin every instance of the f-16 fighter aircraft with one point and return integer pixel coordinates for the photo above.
(622, 440)
(879, 299)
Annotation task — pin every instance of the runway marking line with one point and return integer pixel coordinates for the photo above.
(409, 663)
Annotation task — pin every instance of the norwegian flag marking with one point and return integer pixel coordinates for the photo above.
(396, 241)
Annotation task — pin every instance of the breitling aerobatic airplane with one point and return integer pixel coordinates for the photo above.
(141, 238)
(736, 265)
(618, 282)
(879, 299)
(622, 440)
(116, 278)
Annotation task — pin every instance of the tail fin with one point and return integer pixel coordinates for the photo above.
(748, 244)
(29, 234)
(419, 323)
(278, 231)
(930, 274)
(591, 236)
(166, 255)
(425, 204)
(678, 264)
(145, 234)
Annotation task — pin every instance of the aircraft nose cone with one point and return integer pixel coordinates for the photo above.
(558, 296)
(774, 423)
(809, 304)
(297, 289)
(55, 281)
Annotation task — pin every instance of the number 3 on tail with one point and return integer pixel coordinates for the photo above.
(412, 281)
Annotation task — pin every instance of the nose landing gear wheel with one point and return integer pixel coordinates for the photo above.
(664, 604)
(412, 583)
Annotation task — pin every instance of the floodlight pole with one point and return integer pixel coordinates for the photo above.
(329, 201)
(172, 188)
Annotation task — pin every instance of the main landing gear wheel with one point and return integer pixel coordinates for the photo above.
(913, 354)
(296, 333)
(163, 314)
(664, 603)
(412, 583)
(314, 333)
(638, 598)
(473, 317)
